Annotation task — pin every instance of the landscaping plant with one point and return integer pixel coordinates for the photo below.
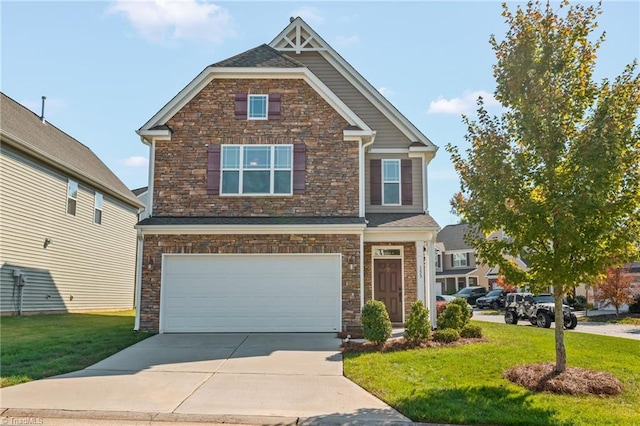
(557, 170)
(417, 327)
(446, 335)
(471, 331)
(376, 325)
(452, 317)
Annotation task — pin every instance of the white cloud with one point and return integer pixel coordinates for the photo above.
(134, 161)
(51, 106)
(311, 15)
(385, 91)
(462, 104)
(172, 20)
(347, 40)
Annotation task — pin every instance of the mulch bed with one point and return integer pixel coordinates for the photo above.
(401, 344)
(573, 381)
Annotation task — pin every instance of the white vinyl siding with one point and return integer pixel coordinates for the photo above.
(86, 266)
(250, 293)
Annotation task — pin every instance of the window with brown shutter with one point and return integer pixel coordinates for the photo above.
(407, 186)
(213, 170)
(376, 182)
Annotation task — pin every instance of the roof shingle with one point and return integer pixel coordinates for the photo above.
(261, 56)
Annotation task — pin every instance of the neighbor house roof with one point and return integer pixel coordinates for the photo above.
(452, 237)
(24, 130)
(261, 56)
(139, 191)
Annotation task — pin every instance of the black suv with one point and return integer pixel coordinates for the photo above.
(471, 294)
(494, 299)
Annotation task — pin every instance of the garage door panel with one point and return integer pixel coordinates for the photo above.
(240, 293)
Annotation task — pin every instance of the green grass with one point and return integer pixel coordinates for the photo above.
(38, 346)
(624, 318)
(489, 312)
(464, 384)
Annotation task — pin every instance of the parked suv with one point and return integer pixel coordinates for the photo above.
(538, 310)
(494, 299)
(471, 294)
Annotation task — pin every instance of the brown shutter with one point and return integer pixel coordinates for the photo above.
(299, 167)
(213, 170)
(468, 259)
(407, 185)
(274, 106)
(452, 260)
(241, 106)
(376, 182)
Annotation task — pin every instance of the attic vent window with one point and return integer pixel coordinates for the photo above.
(258, 107)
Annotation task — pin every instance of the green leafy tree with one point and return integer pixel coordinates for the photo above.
(559, 169)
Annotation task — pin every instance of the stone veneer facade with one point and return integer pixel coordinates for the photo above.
(156, 245)
(410, 286)
(180, 187)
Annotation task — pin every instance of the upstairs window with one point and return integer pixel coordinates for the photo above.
(391, 182)
(257, 169)
(258, 107)
(97, 209)
(459, 260)
(72, 197)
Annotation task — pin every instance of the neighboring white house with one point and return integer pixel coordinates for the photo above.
(67, 235)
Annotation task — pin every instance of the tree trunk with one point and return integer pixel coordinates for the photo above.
(561, 352)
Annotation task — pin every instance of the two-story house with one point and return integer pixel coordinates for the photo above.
(67, 235)
(284, 192)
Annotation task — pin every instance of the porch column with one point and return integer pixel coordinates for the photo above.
(430, 293)
(420, 271)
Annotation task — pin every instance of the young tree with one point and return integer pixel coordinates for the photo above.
(559, 169)
(615, 289)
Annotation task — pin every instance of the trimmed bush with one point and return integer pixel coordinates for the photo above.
(471, 331)
(447, 335)
(417, 327)
(465, 308)
(634, 307)
(451, 318)
(579, 303)
(376, 324)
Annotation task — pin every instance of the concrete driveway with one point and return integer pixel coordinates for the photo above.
(243, 378)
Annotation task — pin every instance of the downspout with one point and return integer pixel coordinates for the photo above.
(152, 160)
(361, 166)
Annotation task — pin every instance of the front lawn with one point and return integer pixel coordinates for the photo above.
(623, 318)
(464, 384)
(38, 346)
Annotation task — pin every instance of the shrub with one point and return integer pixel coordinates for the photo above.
(447, 335)
(471, 331)
(466, 310)
(634, 307)
(579, 303)
(417, 327)
(376, 324)
(451, 318)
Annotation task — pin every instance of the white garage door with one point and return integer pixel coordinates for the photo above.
(250, 293)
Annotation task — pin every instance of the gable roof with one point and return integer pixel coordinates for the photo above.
(452, 237)
(23, 129)
(261, 56)
(298, 37)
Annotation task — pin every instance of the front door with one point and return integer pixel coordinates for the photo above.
(387, 283)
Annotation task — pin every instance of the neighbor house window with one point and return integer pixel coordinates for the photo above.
(459, 259)
(72, 197)
(391, 182)
(257, 169)
(258, 109)
(97, 209)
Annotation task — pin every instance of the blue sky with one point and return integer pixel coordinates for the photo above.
(107, 67)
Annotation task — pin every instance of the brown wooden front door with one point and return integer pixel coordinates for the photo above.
(387, 284)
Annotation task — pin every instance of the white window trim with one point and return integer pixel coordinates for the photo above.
(69, 180)
(399, 182)
(241, 171)
(266, 107)
(401, 257)
(466, 262)
(95, 207)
